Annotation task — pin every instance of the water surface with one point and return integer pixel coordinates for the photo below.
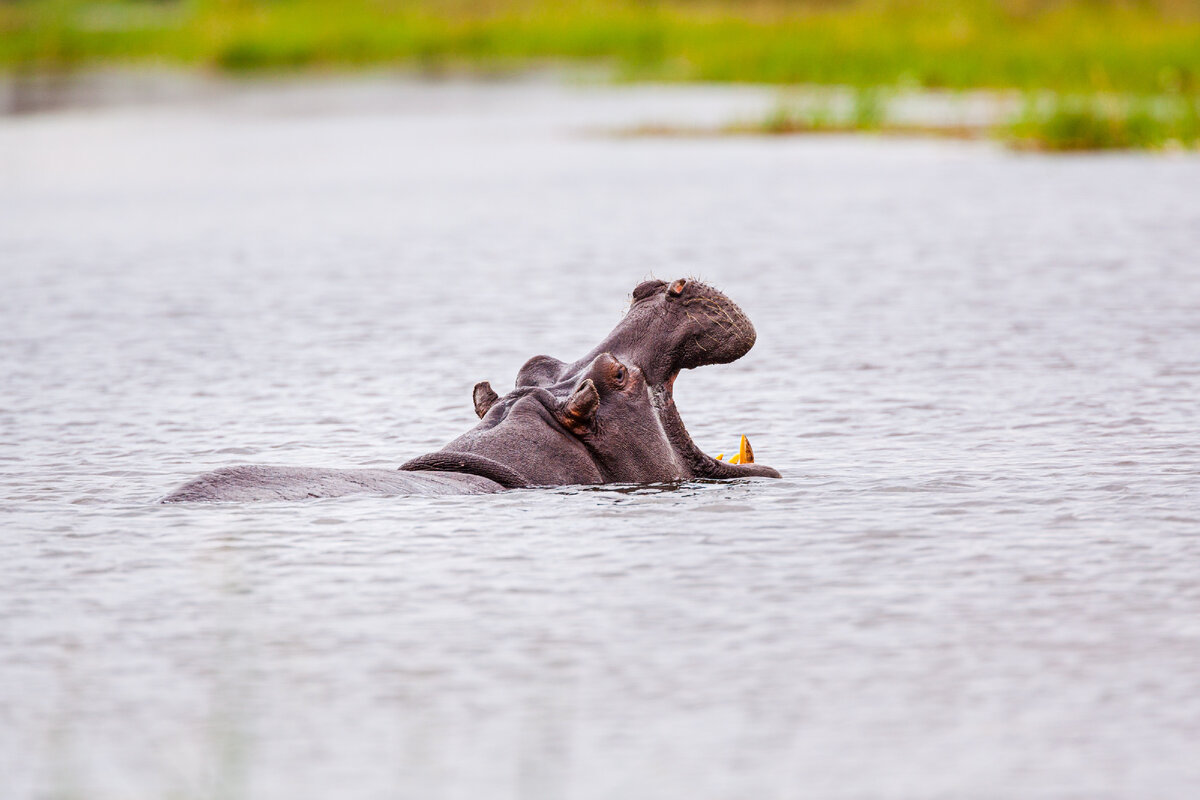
(978, 372)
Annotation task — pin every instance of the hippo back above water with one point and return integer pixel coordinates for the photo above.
(609, 417)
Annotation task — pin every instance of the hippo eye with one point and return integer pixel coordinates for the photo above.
(619, 375)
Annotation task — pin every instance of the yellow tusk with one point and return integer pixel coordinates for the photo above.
(745, 452)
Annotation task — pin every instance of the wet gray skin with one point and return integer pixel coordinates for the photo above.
(607, 418)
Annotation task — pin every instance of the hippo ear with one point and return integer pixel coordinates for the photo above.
(484, 397)
(579, 410)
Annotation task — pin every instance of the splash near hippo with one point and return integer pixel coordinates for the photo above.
(609, 417)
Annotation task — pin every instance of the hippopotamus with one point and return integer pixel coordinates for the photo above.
(608, 417)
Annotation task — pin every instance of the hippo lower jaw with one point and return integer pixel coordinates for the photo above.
(698, 463)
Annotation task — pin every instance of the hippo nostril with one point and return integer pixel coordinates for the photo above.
(676, 288)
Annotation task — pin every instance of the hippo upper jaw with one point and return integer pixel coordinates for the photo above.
(671, 327)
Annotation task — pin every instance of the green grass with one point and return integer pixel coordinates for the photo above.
(1048, 122)
(1091, 46)
(1107, 123)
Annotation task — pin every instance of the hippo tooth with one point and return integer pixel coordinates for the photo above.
(745, 452)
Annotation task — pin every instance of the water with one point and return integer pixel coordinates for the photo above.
(977, 371)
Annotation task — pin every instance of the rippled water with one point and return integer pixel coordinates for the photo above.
(978, 371)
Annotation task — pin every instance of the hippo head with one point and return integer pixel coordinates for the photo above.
(668, 328)
(678, 326)
(601, 428)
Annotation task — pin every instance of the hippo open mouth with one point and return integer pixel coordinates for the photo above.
(669, 327)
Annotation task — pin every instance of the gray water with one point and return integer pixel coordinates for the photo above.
(978, 372)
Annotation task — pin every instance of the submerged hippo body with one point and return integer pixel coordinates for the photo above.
(609, 417)
(252, 483)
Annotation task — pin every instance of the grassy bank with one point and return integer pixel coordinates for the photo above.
(1067, 46)
(1105, 74)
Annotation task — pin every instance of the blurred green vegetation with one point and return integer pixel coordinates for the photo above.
(1107, 122)
(1049, 122)
(1144, 51)
(1143, 47)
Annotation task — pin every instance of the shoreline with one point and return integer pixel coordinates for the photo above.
(1042, 121)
